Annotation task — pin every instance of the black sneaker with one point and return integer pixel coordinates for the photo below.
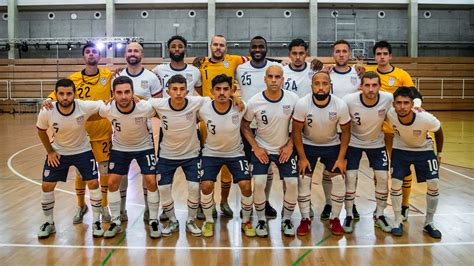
(405, 212)
(355, 213)
(432, 231)
(270, 212)
(326, 214)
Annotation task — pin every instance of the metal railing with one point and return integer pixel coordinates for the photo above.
(442, 90)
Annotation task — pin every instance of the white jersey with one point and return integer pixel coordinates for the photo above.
(69, 134)
(251, 79)
(191, 73)
(344, 83)
(367, 121)
(131, 132)
(223, 131)
(298, 81)
(273, 119)
(413, 136)
(145, 84)
(179, 128)
(320, 122)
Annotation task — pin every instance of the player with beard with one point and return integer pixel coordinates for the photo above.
(146, 85)
(250, 76)
(177, 51)
(92, 84)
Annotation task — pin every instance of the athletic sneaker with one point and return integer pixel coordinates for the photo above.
(97, 231)
(270, 212)
(192, 228)
(382, 223)
(304, 228)
(208, 229)
(248, 229)
(77, 219)
(432, 231)
(45, 230)
(146, 215)
(226, 210)
(355, 213)
(326, 214)
(336, 227)
(164, 217)
(261, 229)
(287, 228)
(113, 230)
(348, 225)
(155, 231)
(124, 216)
(397, 230)
(170, 228)
(106, 218)
(405, 210)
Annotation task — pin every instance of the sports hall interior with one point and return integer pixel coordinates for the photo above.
(40, 42)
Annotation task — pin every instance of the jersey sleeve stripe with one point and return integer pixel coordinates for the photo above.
(41, 129)
(346, 123)
(158, 93)
(296, 120)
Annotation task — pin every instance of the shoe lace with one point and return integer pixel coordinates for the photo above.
(154, 226)
(97, 225)
(43, 227)
(288, 224)
(261, 225)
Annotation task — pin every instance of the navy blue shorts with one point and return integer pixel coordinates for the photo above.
(84, 162)
(327, 154)
(167, 168)
(119, 161)
(378, 159)
(425, 163)
(288, 169)
(238, 167)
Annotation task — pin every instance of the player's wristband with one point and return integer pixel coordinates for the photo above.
(417, 102)
(439, 154)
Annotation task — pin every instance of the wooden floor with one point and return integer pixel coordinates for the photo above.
(20, 217)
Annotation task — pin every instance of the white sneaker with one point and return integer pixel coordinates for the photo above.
(192, 228)
(155, 231)
(261, 229)
(287, 228)
(382, 223)
(77, 219)
(97, 231)
(170, 228)
(113, 230)
(106, 218)
(45, 230)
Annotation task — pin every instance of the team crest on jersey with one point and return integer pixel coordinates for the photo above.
(332, 116)
(354, 80)
(189, 77)
(356, 114)
(139, 120)
(263, 112)
(80, 120)
(111, 165)
(382, 112)
(46, 173)
(144, 84)
(189, 116)
(226, 64)
(235, 119)
(287, 109)
(416, 133)
(391, 81)
(103, 81)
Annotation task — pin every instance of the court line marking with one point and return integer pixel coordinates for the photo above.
(469, 243)
(455, 172)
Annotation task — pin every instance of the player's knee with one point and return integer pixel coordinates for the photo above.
(304, 185)
(351, 178)
(93, 184)
(260, 182)
(382, 180)
(114, 182)
(48, 186)
(193, 190)
(291, 184)
(433, 186)
(150, 182)
(246, 188)
(207, 187)
(396, 184)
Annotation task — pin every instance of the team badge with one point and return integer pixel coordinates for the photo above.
(391, 81)
(111, 165)
(189, 116)
(354, 80)
(189, 77)
(416, 133)
(287, 109)
(144, 84)
(80, 120)
(94, 173)
(332, 116)
(382, 112)
(226, 64)
(103, 81)
(235, 119)
(46, 173)
(139, 120)
(356, 114)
